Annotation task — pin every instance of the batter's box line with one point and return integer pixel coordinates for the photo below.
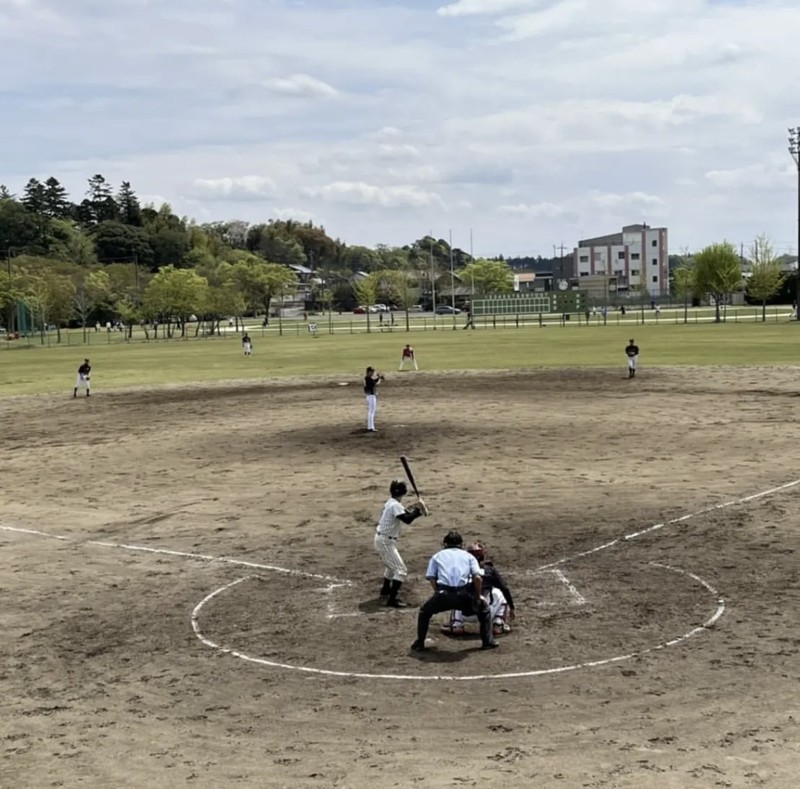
(575, 597)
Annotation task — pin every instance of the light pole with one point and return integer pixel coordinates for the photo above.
(794, 150)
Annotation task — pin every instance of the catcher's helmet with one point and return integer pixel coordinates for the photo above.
(478, 550)
(452, 540)
(398, 488)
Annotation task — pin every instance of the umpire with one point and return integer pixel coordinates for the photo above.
(455, 576)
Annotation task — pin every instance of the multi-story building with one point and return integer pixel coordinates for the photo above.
(637, 259)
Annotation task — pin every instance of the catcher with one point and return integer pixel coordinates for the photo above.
(387, 534)
(83, 379)
(494, 589)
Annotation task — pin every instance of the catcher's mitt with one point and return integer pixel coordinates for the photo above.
(422, 507)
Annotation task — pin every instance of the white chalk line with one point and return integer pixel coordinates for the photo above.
(539, 672)
(720, 609)
(181, 554)
(448, 677)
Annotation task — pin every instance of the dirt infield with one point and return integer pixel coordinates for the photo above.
(190, 591)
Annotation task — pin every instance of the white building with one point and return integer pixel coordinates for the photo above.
(638, 258)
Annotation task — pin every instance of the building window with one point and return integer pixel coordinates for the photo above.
(654, 243)
(584, 273)
(634, 272)
(655, 261)
(635, 256)
(584, 258)
(655, 277)
(620, 255)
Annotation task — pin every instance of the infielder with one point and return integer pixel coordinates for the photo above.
(496, 592)
(387, 533)
(408, 357)
(247, 344)
(83, 379)
(371, 382)
(457, 582)
(632, 352)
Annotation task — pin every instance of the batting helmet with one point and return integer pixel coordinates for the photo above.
(478, 550)
(452, 540)
(398, 488)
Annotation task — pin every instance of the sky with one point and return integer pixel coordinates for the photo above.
(514, 125)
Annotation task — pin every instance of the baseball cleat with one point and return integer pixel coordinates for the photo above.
(452, 630)
(490, 644)
(418, 646)
(396, 604)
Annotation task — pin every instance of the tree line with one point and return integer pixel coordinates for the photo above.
(108, 257)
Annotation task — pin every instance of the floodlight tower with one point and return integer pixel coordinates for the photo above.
(794, 150)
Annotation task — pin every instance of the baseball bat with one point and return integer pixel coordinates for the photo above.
(409, 474)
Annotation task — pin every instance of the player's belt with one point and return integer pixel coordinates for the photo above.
(445, 588)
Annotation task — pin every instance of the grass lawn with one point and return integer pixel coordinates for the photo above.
(37, 369)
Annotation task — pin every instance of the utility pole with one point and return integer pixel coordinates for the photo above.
(794, 150)
(433, 279)
(452, 281)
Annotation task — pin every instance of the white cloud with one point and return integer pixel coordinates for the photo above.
(535, 210)
(630, 200)
(301, 86)
(470, 7)
(244, 187)
(361, 193)
(568, 115)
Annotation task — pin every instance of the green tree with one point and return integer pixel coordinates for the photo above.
(174, 295)
(488, 277)
(366, 292)
(115, 242)
(130, 211)
(718, 272)
(684, 285)
(403, 288)
(260, 281)
(56, 200)
(766, 277)
(226, 297)
(91, 290)
(33, 196)
(20, 230)
(48, 294)
(71, 244)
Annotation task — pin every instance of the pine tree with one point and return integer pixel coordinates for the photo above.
(130, 211)
(33, 196)
(56, 200)
(101, 200)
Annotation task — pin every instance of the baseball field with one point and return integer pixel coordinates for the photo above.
(190, 589)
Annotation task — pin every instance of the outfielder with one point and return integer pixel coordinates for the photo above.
(494, 589)
(247, 344)
(387, 533)
(457, 582)
(83, 379)
(632, 352)
(408, 357)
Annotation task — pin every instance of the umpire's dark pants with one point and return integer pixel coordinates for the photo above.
(451, 598)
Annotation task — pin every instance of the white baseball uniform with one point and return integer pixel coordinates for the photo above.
(386, 536)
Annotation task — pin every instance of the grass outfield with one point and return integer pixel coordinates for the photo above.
(51, 370)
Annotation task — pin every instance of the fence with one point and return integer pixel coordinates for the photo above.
(340, 324)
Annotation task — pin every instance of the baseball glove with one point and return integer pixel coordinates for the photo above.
(422, 507)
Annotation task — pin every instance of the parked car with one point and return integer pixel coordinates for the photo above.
(446, 309)
(379, 308)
